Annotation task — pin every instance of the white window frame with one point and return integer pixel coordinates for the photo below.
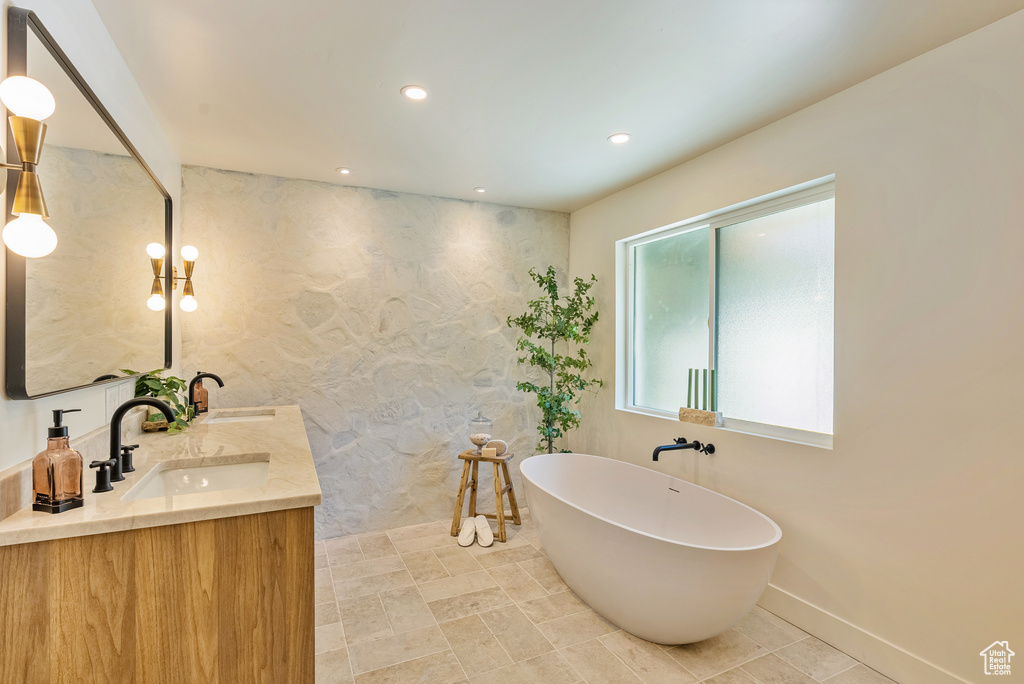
(805, 193)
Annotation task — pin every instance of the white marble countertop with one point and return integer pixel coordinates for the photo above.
(292, 481)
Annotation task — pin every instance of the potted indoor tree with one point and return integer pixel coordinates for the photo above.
(552, 320)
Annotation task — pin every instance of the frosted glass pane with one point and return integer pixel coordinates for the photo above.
(670, 317)
(775, 333)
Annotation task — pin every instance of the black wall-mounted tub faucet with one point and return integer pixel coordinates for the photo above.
(681, 443)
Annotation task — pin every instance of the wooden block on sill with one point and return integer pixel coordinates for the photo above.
(709, 418)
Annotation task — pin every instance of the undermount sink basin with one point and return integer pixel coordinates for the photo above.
(240, 416)
(174, 478)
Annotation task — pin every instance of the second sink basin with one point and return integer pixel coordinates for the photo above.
(240, 416)
(177, 478)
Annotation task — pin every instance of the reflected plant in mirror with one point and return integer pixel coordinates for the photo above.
(172, 390)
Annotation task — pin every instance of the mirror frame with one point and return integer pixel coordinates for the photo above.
(19, 21)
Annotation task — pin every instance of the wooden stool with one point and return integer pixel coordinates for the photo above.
(474, 459)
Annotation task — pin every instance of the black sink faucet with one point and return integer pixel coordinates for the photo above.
(192, 387)
(116, 474)
(681, 443)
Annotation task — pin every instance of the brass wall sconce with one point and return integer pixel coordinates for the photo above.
(31, 102)
(156, 301)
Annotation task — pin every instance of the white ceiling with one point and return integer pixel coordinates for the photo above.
(523, 94)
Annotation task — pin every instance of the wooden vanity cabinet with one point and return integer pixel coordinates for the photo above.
(228, 600)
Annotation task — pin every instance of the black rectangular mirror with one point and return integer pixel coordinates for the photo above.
(78, 316)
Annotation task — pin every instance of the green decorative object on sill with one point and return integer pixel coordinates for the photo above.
(171, 390)
(699, 385)
(551, 319)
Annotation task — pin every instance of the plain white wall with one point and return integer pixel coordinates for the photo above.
(912, 527)
(78, 29)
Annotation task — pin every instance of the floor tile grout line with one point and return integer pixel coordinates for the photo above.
(344, 634)
(550, 593)
(811, 636)
(783, 620)
(566, 661)
(385, 611)
(554, 649)
(614, 655)
(409, 660)
(685, 669)
(534, 625)
(765, 646)
(581, 610)
(796, 667)
(519, 565)
(739, 665)
(394, 633)
(438, 624)
(501, 645)
(452, 651)
(836, 674)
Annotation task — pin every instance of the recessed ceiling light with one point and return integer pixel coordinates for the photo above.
(344, 170)
(479, 189)
(618, 138)
(415, 92)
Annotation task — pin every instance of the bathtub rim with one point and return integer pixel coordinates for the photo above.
(775, 539)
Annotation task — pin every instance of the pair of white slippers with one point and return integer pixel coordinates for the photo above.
(476, 529)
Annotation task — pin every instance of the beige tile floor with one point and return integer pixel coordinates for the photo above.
(409, 605)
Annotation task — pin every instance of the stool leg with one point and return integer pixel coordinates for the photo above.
(461, 497)
(499, 503)
(472, 489)
(511, 496)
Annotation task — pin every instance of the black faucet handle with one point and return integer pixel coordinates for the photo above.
(126, 457)
(708, 449)
(680, 440)
(102, 475)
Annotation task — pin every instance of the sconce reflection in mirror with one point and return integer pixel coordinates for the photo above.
(31, 102)
(156, 300)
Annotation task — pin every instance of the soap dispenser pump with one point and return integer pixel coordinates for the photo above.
(57, 471)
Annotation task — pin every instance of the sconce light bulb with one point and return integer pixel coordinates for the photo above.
(29, 236)
(189, 253)
(27, 97)
(156, 303)
(188, 303)
(155, 250)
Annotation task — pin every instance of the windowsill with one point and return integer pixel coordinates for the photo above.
(783, 434)
(653, 413)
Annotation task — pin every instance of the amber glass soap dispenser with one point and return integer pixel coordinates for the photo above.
(57, 472)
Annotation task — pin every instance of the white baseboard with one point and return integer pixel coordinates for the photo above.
(872, 650)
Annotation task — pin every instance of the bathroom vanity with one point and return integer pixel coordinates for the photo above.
(198, 567)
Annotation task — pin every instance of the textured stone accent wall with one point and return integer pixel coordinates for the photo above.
(381, 314)
(86, 303)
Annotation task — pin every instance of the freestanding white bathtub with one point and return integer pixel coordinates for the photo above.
(664, 559)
